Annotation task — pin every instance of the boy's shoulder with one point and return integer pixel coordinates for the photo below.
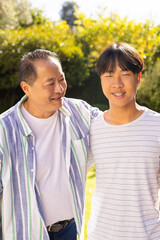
(151, 113)
(99, 119)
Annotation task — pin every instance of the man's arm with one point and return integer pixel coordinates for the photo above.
(94, 111)
(1, 190)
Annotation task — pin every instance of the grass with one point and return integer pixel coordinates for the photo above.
(90, 185)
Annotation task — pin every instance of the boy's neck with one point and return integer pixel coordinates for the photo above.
(120, 116)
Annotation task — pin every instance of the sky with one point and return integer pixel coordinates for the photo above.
(138, 10)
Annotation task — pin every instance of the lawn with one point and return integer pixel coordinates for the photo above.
(90, 185)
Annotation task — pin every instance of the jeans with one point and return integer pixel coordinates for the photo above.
(68, 233)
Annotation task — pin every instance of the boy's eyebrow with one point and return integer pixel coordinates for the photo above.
(109, 71)
(125, 70)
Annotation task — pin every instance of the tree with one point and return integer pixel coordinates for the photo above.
(78, 51)
(149, 89)
(37, 17)
(68, 11)
(23, 11)
(14, 13)
(8, 17)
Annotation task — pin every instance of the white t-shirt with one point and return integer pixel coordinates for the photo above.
(125, 203)
(51, 171)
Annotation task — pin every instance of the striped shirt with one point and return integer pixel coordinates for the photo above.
(22, 216)
(125, 203)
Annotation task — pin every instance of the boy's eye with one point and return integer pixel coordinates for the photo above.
(125, 74)
(108, 75)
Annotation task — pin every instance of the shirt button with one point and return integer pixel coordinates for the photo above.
(32, 148)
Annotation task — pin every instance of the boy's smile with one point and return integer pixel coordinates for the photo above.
(120, 87)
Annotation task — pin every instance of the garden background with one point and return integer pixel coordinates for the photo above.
(78, 40)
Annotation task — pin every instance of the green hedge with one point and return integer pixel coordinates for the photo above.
(78, 49)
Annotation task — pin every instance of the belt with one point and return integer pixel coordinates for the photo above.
(56, 227)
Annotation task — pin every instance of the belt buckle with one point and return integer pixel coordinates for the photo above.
(56, 227)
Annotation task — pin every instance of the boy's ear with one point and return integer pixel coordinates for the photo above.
(139, 78)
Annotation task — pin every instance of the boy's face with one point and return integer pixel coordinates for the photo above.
(120, 87)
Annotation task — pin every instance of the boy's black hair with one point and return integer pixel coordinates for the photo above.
(122, 54)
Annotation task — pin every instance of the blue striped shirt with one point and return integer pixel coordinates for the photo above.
(22, 216)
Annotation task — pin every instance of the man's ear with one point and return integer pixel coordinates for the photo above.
(139, 78)
(25, 87)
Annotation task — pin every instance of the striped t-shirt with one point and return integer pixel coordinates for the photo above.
(125, 203)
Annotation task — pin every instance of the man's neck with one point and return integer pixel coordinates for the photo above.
(36, 112)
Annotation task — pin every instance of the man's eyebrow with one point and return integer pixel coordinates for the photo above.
(53, 79)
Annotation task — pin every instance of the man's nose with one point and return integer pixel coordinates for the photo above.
(58, 87)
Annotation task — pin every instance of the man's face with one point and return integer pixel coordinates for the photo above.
(120, 87)
(47, 91)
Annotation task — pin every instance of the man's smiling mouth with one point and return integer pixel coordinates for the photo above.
(58, 98)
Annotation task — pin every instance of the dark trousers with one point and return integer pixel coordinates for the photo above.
(68, 233)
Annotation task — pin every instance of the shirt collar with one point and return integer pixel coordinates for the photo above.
(25, 129)
(64, 110)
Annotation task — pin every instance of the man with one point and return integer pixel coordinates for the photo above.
(125, 147)
(43, 155)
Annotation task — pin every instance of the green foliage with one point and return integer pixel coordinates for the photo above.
(67, 13)
(15, 43)
(14, 13)
(95, 35)
(38, 17)
(149, 89)
(78, 49)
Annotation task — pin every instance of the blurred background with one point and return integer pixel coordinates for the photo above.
(78, 31)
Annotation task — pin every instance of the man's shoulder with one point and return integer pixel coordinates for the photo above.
(7, 113)
(6, 123)
(80, 106)
(12, 111)
(73, 101)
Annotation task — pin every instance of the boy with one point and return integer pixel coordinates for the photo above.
(125, 147)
